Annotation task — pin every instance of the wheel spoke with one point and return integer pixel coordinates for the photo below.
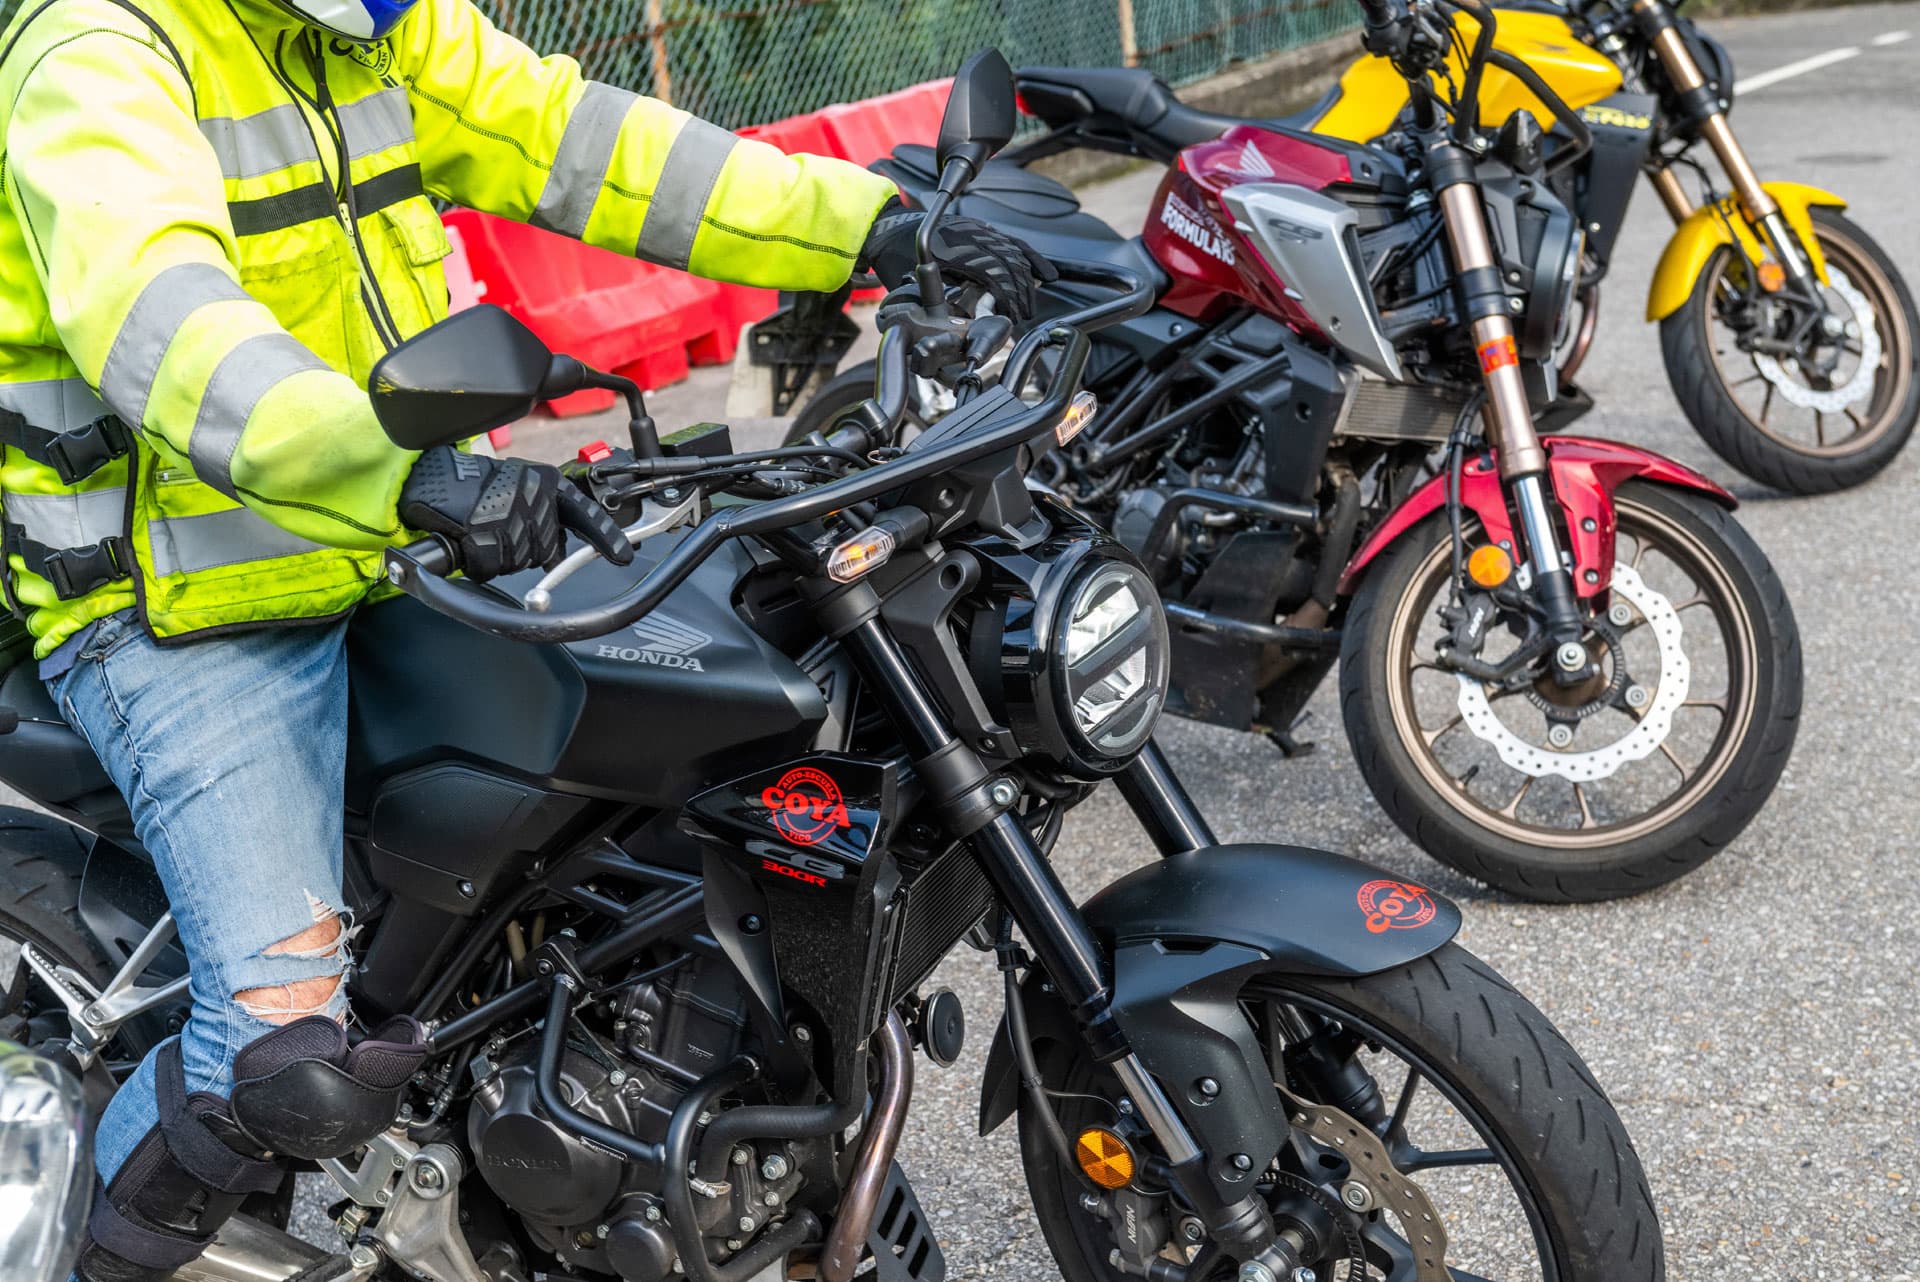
(1854, 419)
(1512, 806)
(1397, 1124)
(1433, 736)
(1820, 427)
(1766, 405)
(1586, 811)
(1755, 377)
(1424, 1161)
(1668, 750)
(1718, 705)
(1690, 602)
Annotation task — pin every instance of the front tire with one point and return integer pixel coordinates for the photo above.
(1481, 788)
(1580, 1207)
(1749, 413)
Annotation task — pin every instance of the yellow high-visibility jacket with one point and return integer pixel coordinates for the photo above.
(217, 219)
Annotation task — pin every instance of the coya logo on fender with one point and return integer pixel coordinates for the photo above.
(1396, 905)
(1196, 228)
(806, 806)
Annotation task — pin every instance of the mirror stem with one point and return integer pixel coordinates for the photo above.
(933, 291)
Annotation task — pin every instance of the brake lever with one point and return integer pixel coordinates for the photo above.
(655, 518)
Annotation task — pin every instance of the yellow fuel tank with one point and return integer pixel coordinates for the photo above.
(1372, 93)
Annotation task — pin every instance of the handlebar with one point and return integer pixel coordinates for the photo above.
(493, 613)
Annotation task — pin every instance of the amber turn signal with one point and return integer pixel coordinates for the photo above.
(1104, 1158)
(1489, 566)
(1773, 277)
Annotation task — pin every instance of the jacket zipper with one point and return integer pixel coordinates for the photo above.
(370, 296)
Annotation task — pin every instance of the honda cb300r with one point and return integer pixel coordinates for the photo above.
(669, 924)
(1565, 669)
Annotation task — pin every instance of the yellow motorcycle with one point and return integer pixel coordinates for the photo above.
(1789, 335)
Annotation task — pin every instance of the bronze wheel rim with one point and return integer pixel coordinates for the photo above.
(1551, 812)
(1760, 401)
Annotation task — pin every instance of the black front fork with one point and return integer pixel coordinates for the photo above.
(979, 805)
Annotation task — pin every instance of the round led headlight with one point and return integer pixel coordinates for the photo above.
(1110, 660)
(1069, 646)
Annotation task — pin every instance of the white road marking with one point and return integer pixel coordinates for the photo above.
(1743, 87)
(1886, 38)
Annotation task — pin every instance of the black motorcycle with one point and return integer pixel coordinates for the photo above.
(663, 857)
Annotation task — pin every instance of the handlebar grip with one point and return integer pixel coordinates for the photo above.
(433, 555)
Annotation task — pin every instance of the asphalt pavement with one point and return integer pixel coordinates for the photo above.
(1756, 1023)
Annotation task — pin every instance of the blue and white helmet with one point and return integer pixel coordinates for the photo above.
(360, 21)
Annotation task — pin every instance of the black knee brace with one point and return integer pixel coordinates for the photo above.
(298, 1092)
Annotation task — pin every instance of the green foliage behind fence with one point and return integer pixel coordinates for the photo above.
(742, 62)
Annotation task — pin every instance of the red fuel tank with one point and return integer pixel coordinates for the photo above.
(1191, 233)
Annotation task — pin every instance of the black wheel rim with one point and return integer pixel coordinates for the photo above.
(1470, 1257)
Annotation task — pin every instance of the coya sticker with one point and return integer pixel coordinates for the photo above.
(806, 806)
(1497, 353)
(1396, 905)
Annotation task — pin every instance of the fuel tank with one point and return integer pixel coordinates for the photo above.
(1372, 93)
(687, 697)
(1270, 216)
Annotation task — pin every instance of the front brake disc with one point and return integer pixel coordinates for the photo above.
(1638, 743)
(1832, 400)
(1369, 1164)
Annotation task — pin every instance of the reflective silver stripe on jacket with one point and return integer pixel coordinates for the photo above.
(133, 363)
(581, 163)
(680, 199)
(260, 144)
(69, 520)
(189, 544)
(244, 375)
(376, 122)
(53, 405)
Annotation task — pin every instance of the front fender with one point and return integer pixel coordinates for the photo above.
(1186, 934)
(1585, 474)
(1711, 226)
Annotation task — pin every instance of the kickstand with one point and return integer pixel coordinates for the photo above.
(1289, 745)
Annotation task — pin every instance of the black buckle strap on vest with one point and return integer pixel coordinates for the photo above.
(75, 455)
(74, 572)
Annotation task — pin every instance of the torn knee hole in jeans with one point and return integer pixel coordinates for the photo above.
(323, 994)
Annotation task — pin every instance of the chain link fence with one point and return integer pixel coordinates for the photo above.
(743, 62)
(747, 62)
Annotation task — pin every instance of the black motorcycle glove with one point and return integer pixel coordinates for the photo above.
(504, 515)
(967, 250)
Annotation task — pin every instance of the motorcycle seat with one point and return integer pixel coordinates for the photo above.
(1134, 105)
(43, 758)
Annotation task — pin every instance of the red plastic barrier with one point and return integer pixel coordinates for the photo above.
(865, 131)
(646, 322)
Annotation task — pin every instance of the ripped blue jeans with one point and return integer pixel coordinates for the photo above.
(231, 753)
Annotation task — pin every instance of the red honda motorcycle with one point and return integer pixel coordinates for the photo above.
(1565, 668)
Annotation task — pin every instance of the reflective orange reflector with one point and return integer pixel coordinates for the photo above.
(1772, 277)
(1489, 566)
(1104, 1158)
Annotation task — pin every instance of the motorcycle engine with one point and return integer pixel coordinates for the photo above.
(588, 1206)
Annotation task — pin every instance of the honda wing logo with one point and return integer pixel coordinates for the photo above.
(1253, 163)
(662, 641)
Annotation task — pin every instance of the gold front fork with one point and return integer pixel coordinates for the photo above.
(1509, 414)
(1761, 209)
